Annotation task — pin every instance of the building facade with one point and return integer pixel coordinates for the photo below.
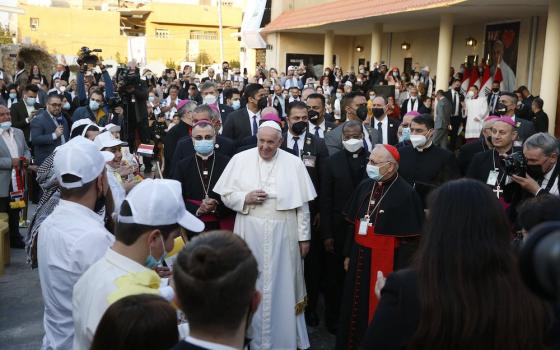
(437, 34)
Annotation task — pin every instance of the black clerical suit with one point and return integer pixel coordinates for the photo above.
(468, 151)
(170, 141)
(540, 121)
(342, 173)
(185, 148)
(313, 155)
(455, 97)
(427, 169)
(396, 219)
(189, 172)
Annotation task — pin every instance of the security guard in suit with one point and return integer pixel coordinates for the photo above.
(313, 153)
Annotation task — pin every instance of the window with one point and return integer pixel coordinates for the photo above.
(204, 35)
(34, 23)
(162, 33)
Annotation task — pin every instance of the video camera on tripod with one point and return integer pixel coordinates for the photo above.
(86, 56)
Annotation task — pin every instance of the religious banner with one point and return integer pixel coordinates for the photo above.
(501, 42)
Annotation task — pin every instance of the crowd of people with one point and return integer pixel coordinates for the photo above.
(213, 211)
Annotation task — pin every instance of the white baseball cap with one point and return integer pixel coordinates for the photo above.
(159, 202)
(81, 158)
(84, 121)
(107, 140)
(112, 127)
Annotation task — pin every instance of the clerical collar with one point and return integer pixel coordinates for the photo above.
(426, 148)
(205, 157)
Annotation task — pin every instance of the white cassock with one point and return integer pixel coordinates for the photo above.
(273, 231)
(475, 108)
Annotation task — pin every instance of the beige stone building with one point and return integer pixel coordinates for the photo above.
(436, 33)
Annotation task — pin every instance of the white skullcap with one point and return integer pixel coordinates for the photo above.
(348, 83)
(270, 124)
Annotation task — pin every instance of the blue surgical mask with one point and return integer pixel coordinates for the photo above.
(5, 125)
(93, 105)
(405, 135)
(236, 105)
(373, 171)
(13, 95)
(204, 147)
(152, 262)
(66, 105)
(30, 101)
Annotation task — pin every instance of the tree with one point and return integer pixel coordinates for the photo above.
(170, 64)
(202, 61)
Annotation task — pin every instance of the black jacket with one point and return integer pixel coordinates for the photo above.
(237, 126)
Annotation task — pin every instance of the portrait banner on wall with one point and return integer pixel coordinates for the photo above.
(501, 43)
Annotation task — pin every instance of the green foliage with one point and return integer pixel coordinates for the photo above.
(5, 35)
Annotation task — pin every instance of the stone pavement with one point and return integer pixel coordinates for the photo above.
(21, 309)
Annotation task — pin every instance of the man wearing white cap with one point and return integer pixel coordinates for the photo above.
(149, 220)
(73, 236)
(270, 189)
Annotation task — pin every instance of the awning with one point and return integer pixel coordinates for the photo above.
(348, 10)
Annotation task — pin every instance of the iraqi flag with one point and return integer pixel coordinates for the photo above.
(466, 79)
(475, 78)
(486, 86)
(145, 150)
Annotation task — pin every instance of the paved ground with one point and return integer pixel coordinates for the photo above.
(21, 309)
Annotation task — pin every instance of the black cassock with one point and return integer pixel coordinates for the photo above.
(509, 192)
(427, 169)
(392, 238)
(189, 175)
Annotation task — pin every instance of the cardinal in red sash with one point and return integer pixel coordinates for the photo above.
(385, 218)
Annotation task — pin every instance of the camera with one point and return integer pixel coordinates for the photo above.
(85, 55)
(539, 260)
(515, 164)
(128, 76)
(114, 102)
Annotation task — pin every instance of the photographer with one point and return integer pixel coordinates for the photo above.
(541, 154)
(134, 95)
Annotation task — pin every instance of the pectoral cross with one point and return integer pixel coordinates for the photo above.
(498, 191)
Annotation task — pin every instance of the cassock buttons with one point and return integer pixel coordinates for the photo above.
(381, 211)
(390, 125)
(205, 173)
(308, 141)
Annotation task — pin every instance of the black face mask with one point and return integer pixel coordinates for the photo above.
(378, 112)
(535, 171)
(299, 127)
(361, 112)
(457, 89)
(313, 116)
(496, 90)
(500, 109)
(262, 102)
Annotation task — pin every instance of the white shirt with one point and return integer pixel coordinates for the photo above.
(321, 126)
(410, 107)
(384, 128)
(207, 345)
(93, 293)
(71, 239)
(251, 115)
(10, 141)
(30, 110)
(554, 188)
(291, 142)
(367, 138)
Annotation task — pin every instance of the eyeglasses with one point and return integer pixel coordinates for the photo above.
(55, 104)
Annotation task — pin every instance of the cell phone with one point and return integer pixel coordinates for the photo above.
(245, 71)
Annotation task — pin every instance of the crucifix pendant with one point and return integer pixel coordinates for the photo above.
(205, 172)
(498, 191)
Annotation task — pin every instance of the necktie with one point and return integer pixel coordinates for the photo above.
(255, 126)
(317, 132)
(380, 131)
(365, 144)
(296, 146)
(412, 104)
(454, 103)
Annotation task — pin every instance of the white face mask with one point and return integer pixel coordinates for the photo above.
(353, 145)
(62, 88)
(209, 99)
(470, 94)
(418, 140)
